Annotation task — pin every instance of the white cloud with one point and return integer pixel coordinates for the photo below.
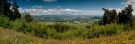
(117, 9)
(60, 11)
(49, 0)
(39, 7)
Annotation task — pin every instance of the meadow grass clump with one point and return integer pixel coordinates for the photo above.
(4, 22)
(104, 30)
(60, 27)
(12, 37)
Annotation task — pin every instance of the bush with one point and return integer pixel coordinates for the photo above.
(59, 27)
(36, 29)
(19, 25)
(4, 22)
(107, 30)
(52, 33)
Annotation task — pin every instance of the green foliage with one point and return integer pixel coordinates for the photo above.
(124, 17)
(107, 30)
(32, 28)
(110, 16)
(4, 22)
(19, 25)
(28, 18)
(15, 11)
(36, 29)
(59, 27)
(6, 10)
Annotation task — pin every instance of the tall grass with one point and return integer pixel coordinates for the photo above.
(11, 37)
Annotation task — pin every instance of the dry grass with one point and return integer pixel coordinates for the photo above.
(11, 37)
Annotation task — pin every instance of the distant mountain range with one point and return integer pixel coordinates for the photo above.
(65, 17)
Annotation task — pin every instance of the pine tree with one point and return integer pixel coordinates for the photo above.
(105, 17)
(110, 16)
(5, 8)
(15, 11)
(125, 16)
(28, 18)
(113, 17)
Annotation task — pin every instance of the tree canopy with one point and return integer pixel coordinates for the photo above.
(9, 9)
(123, 17)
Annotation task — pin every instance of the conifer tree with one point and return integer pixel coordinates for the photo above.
(113, 17)
(126, 16)
(105, 17)
(28, 18)
(110, 16)
(5, 8)
(7, 11)
(15, 11)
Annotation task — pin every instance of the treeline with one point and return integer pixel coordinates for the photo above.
(125, 16)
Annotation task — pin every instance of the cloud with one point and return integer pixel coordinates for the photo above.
(50, 0)
(54, 11)
(39, 7)
(117, 9)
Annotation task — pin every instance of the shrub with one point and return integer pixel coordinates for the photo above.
(51, 33)
(107, 30)
(19, 25)
(59, 27)
(36, 29)
(4, 22)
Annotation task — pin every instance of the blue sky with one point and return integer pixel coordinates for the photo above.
(89, 6)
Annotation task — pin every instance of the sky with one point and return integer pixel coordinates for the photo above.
(75, 7)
